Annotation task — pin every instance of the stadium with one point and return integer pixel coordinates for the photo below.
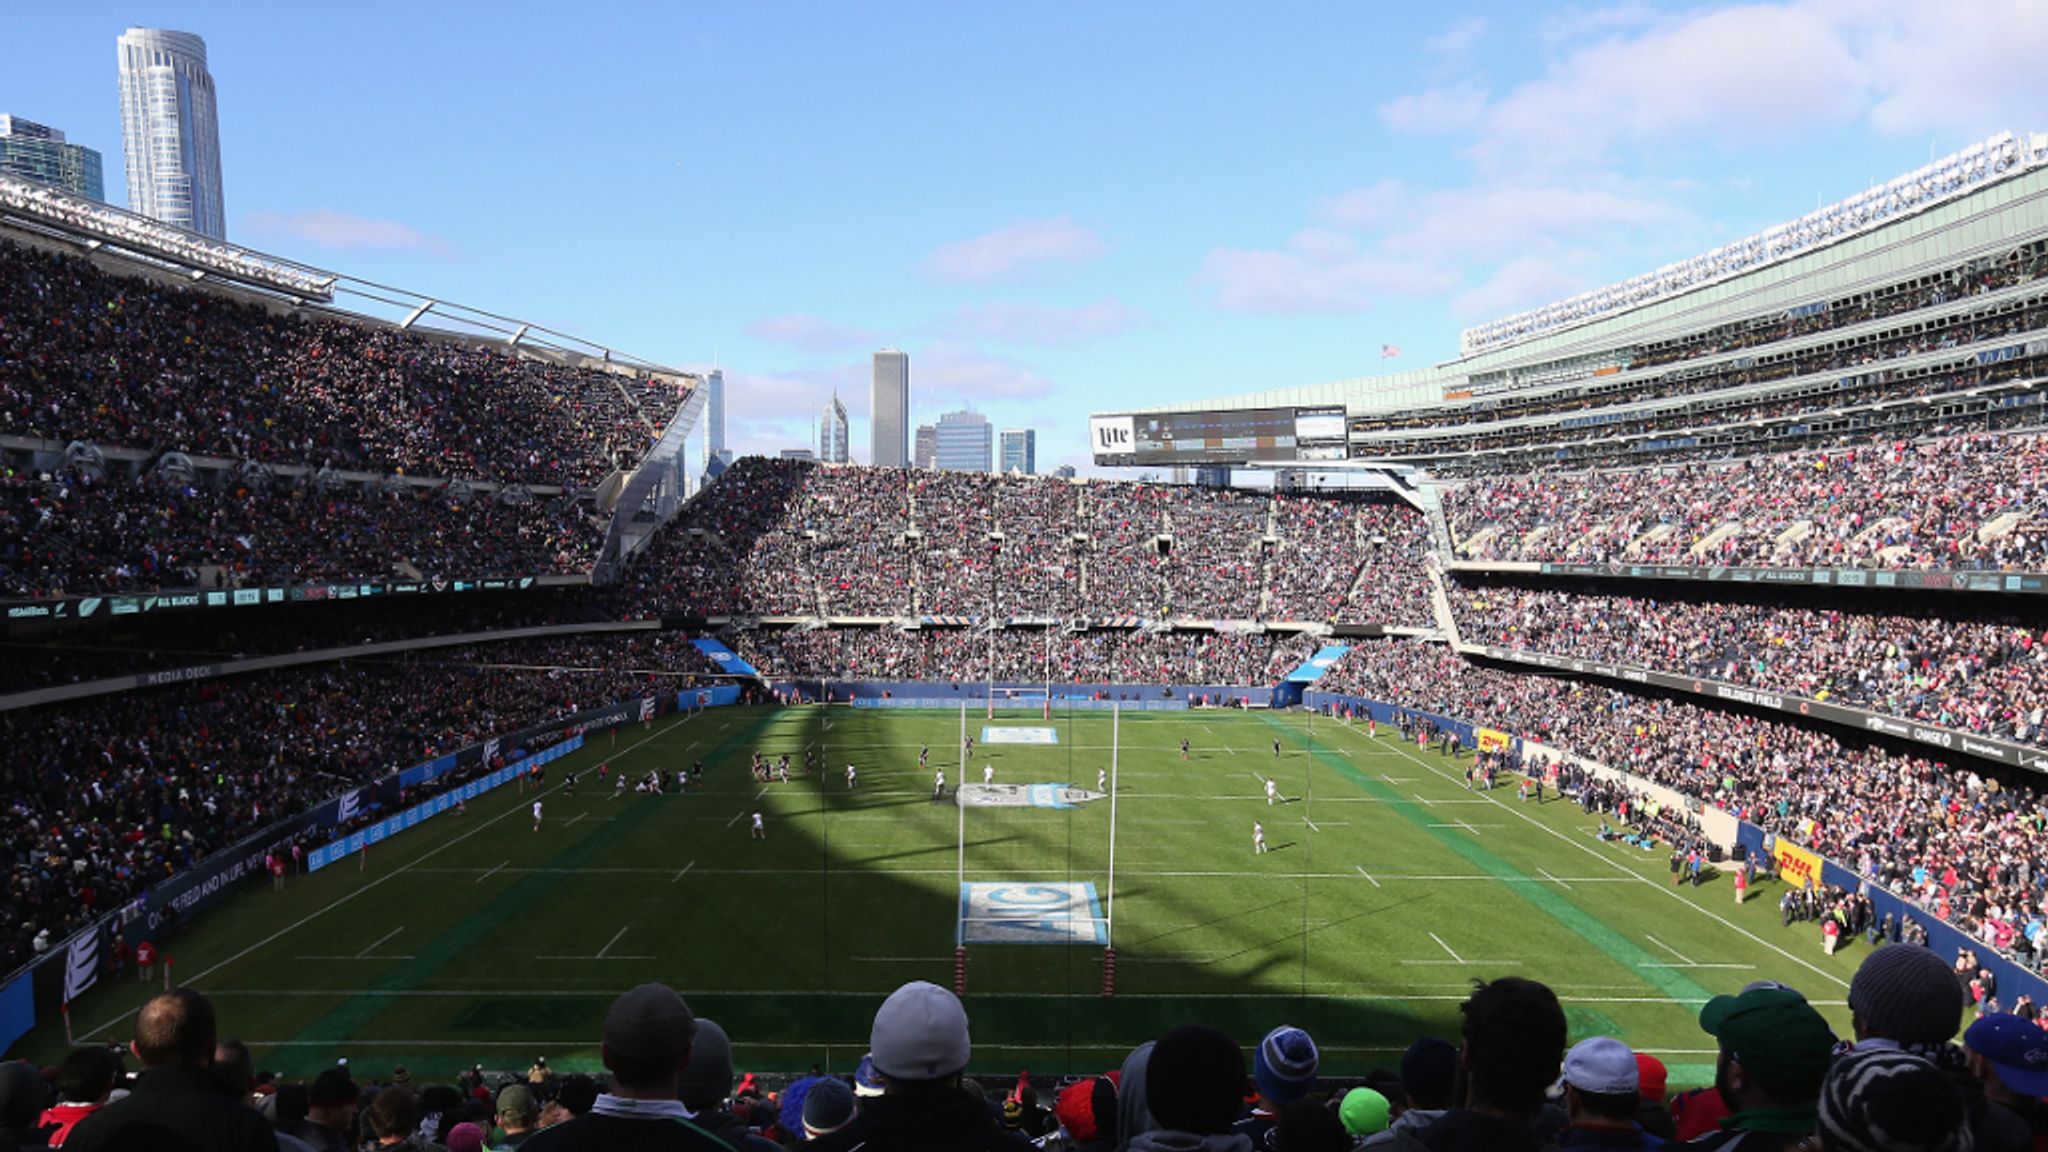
(374, 675)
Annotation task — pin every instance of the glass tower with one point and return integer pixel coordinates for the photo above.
(170, 132)
(832, 445)
(965, 441)
(36, 152)
(1019, 451)
(890, 434)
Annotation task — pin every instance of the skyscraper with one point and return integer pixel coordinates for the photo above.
(37, 152)
(832, 445)
(890, 435)
(1019, 451)
(170, 131)
(964, 442)
(927, 455)
(714, 414)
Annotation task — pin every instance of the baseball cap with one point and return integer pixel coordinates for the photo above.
(1776, 1034)
(867, 1081)
(1602, 1065)
(516, 1100)
(2016, 1047)
(920, 1033)
(648, 1023)
(1651, 1077)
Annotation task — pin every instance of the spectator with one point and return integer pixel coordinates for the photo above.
(1774, 1051)
(177, 1106)
(393, 1120)
(576, 1097)
(1306, 1126)
(1365, 1112)
(1514, 1032)
(707, 1086)
(829, 1116)
(2009, 1057)
(467, 1137)
(85, 1078)
(330, 1112)
(235, 1072)
(1654, 1117)
(1086, 1111)
(22, 1097)
(920, 1045)
(516, 1115)
(1905, 997)
(1195, 1089)
(1429, 1076)
(1284, 1069)
(1892, 1100)
(646, 1044)
(1602, 1097)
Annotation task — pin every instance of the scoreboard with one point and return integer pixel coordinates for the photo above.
(1232, 436)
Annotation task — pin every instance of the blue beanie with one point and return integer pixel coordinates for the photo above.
(790, 1116)
(1284, 1067)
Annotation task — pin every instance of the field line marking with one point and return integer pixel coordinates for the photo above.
(517, 809)
(685, 870)
(493, 872)
(1554, 880)
(1446, 947)
(1367, 875)
(1668, 948)
(1618, 866)
(579, 816)
(609, 943)
(1311, 824)
(385, 940)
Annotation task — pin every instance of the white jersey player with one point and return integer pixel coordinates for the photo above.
(536, 815)
(988, 773)
(1102, 779)
(1272, 791)
(1258, 838)
(939, 785)
(850, 775)
(760, 831)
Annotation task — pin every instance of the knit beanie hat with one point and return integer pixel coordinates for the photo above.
(707, 1078)
(828, 1107)
(1194, 1081)
(1364, 1112)
(1087, 1108)
(789, 1115)
(1885, 1100)
(1906, 994)
(1285, 1064)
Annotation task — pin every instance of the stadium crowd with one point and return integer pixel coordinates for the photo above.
(1966, 670)
(124, 361)
(71, 534)
(113, 794)
(1963, 847)
(1953, 502)
(1026, 655)
(1909, 1078)
(787, 538)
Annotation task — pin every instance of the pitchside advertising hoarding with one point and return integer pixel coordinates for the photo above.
(1236, 436)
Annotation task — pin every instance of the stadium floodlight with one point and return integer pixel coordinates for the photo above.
(2001, 157)
(43, 205)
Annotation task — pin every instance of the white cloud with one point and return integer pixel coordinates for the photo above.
(966, 374)
(1965, 69)
(1014, 250)
(1372, 206)
(341, 231)
(1047, 324)
(1320, 271)
(1458, 39)
(1434, 111)
(1521, 284)
(811, 334)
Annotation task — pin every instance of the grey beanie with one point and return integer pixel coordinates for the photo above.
(707, 1078)
(1906, 994)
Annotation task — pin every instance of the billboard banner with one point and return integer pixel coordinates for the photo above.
(1111, 435)
(1234, 436)
(1797, 865)
(1933, 580)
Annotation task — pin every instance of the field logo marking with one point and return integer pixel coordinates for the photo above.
(1017, 913)
(1018, 734)
(1025, 796)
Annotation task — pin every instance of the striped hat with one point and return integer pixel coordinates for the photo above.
(1285, 1064)
(1886, 1100)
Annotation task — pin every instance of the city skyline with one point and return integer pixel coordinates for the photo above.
(964, 442)
(170, 130)
(833, 446)
(1496, 158)
(42, 153)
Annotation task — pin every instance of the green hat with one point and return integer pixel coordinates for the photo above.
(1364, 1112)
(1777, 1036)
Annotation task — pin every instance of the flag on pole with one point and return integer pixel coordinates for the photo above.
(1389, 351)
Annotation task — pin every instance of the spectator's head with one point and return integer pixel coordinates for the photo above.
(1429, 1073)
(466, 1137)
(1886, 1100)
(86, 1074)
(920, 1037)
(175, 1030)
(1087, 1109)
(1365, 1112)
(517, 1108)
(1195, 1080)
(1774, 1048)
(1601, 1084)
(395, 1111)
(707, 1078)
(331, 1101)
(1651, 1077)
(647, 1036)
(2009, 1055)
(828, 1107)
(577, 1096)
(866, 1080)
(1907, 995)
(233, 1068)
(23, 1095)
(1514, 1041)
(1306, 1126)
(1284, 1067)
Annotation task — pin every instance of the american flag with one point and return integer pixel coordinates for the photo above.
(1389, 351)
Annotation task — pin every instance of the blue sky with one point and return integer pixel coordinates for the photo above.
(1054, 208)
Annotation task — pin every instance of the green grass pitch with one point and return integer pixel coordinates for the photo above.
(1388, 889)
